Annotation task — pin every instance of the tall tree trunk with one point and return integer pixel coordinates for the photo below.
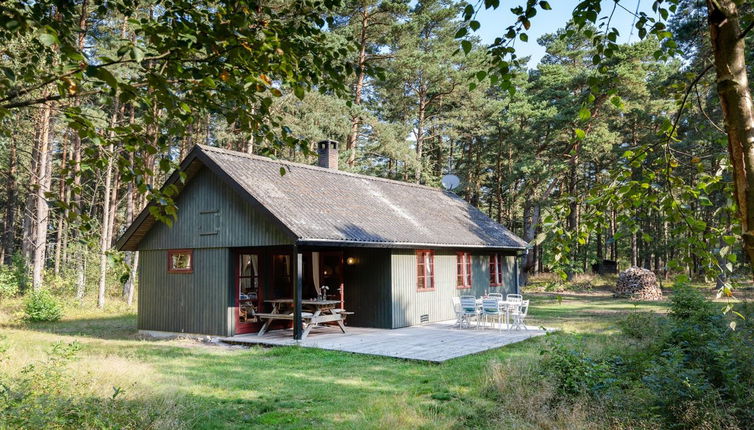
(573, 213)
(613, 242)
(420, 138)
(634, 250)
(9, 234)
(353, 134)
(132, 278)
(131, 258)
(106, 202)
(530, 232)
(735, 99)
(41, 188)
(61, 218)
(104, 244)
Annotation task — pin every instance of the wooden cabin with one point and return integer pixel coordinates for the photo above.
(393, 253)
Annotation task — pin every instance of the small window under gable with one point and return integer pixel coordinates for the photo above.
(209, 222)
(180, 261)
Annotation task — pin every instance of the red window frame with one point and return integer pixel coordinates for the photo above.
(496, 270)
(425, 270)
(189, 269)
(463, 270)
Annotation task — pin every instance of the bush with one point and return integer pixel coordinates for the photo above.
(20, 271)
(644, 326)
(574, 372)
(42, 306)
(8, 283)
(701, 373)
(686, 370)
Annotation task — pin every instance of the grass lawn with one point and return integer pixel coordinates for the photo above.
(185, 383)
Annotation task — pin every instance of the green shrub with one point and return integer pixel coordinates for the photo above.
(699, 372)
(572, 371)
(644, 326)
(8, 283)
(20, 271)
(42, 306)
(686, 370)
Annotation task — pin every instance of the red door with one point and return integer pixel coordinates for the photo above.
(248, 292)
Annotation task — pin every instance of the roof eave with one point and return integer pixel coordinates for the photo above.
(403, 245)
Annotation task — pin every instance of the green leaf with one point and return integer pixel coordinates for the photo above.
(299, 92)
(282, 171)
(584, 114)
(474, 25)
(524, 37)
(545, 5)
(137, 54)
(466, 46)
(48, 39)
(104, 75)
(461, 32)
(580, 134)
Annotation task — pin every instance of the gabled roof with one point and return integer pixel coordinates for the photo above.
(315, 205)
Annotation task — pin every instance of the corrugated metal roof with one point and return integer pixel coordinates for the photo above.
(319, 205)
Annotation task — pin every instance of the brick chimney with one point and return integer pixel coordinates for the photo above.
(328, 154)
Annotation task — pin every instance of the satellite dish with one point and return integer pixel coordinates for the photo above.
(450, 182)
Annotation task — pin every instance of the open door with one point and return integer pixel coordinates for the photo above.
(248, 292)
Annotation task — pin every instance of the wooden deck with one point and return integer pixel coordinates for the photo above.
(435, 342)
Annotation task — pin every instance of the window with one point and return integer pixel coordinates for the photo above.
(496, 270)
(463, 270)
(180, 261)
(425, 270)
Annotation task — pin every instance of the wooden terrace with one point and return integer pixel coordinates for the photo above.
(436, 342)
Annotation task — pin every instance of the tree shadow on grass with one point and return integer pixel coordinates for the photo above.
(118, 327)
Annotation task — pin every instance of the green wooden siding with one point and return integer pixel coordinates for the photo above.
(198, 302)
(212, 215)
(211, 219)
(367, 288)
(409, 304)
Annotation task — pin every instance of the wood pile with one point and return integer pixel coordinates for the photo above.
(638, 284)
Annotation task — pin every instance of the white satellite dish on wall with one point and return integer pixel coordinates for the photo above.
(450, 182)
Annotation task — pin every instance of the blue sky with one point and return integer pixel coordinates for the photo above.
(494, 23)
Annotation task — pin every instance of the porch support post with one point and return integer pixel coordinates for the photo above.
(516, 269)
(297, 278)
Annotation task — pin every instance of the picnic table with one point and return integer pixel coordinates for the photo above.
(324, 311)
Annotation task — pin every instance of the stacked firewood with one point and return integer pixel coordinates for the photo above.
(638, 284)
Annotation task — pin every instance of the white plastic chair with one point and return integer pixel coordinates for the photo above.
(514, 298)
(468, 310)
(457, 309)
(498, 296)
(491, 309)
(519, 315)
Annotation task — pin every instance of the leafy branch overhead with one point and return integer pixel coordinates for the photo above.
(170, 62)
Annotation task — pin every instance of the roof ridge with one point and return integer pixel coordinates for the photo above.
(316, 168)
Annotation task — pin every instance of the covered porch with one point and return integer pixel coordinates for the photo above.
(436, 342)
(293, 287)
